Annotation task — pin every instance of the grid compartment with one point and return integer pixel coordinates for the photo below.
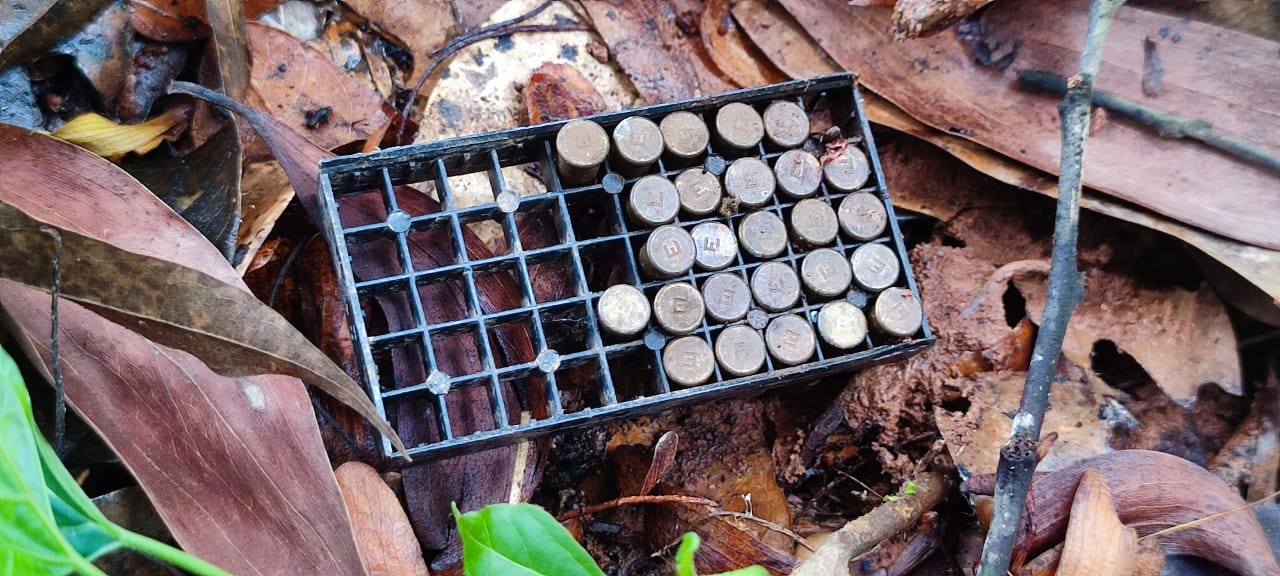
(475, 325)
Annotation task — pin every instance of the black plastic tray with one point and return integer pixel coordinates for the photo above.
(577, 375)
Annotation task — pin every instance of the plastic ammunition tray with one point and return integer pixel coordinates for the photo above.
(436, 371)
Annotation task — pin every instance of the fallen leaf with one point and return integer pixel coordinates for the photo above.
(295, 80)
(105, 138)
(383, 534)
(664, 457)
(1258, 266)
(28, 29)
(261, 497)
(203, 187)
(1097, 544)
(183, 20)
(646, 40)
(731, 50)
(935, 80)
(1153, 491)
(102, 51)
(227, 24)
(239, 337)
(265, 193)
(559, 91)
(1182, 338)
(782, 40)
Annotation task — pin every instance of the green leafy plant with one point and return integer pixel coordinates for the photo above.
(524, 540)
(47, 523)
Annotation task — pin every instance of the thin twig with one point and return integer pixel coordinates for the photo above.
(55, 357)
(1197, 522)
(767, 524)
(1064, 291)
(289, 262)
(628, 500)
(1166, 124)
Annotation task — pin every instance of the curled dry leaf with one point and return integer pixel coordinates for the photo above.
(295, 80)
(1182, 338)
(664, 457)
(558, 91)
(1153, 491)
(260, 498)
(1097, 544)
(731, 50)
(383, 534)
(105, 138)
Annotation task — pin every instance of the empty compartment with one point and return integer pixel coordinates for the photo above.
(499, 286)
(607, 263)
(553, 275)
(458, 351)
(635, 374)
(444, 297)
(566, 327)
(592, 213)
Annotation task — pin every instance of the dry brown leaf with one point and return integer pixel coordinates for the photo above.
(936, 80)
(655, 42)
(1153, 491)
(245, 504)
(558, 91)
(1258, 266)
(1097, 544)
(306, 91)
(1182, 338)
(731, 50)
(183, 20)
(383, 534)
(782, 40)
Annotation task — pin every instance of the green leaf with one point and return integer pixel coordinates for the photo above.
(30, 541)
(689, 544)
(519, 540)
(910, 489)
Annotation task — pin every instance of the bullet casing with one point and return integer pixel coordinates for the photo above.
(623, 310)
(684, 135)
(688, 361)
(848, 171)
(751, 181)
(775, 286)
(862, 216)
(814, 222)
(740, 350)
(715, 245)
(699, 191)
(678, 308)
(842, 325)
(785, 124)
(637, 144)
(726, 296)
(762, 234)
(667, 252)
(825, 273)
(798, 173)
(653, 201)
(739, 126)
(875, 266)
(581, 148)
(790, 339)
(897, 312)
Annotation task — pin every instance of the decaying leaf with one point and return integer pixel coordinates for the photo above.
(558, 91)
(782, 40)
(1097, 544)
(420, 26)
(238, 336)
(28, 29)
(387, 544)
(1153, 491)
(936, 80)
(664, 62)
(731, 50)
(183, 20)
(297, 81)
(261, 496)
(1182, 338)
(105, 138)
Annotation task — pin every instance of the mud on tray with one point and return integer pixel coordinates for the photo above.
(594, 298)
